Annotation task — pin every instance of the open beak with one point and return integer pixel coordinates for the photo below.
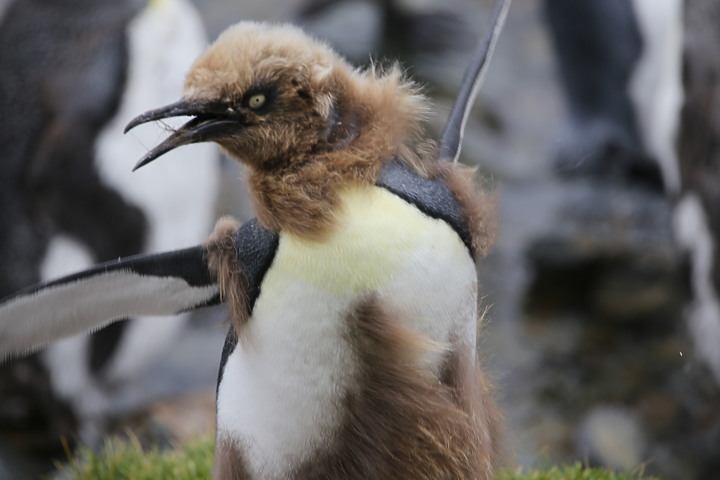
(213, 120)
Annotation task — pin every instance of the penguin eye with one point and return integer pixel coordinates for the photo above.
(256, 101)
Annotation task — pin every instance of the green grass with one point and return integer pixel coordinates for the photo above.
(571, 472)
(125, 460)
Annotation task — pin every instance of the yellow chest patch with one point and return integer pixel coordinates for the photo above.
(377, 233)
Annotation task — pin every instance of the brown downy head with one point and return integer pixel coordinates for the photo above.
(298, 115)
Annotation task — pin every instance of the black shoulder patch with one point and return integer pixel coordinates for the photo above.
(433, 198)
(255, 249)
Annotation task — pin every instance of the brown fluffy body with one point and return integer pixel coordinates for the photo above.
(400, 421)
(334, 126)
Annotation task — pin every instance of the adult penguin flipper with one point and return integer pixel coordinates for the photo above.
(154, 284)
(450, 141)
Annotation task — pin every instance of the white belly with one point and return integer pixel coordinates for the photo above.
(285, 382)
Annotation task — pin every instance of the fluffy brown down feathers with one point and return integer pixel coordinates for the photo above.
(332, 125)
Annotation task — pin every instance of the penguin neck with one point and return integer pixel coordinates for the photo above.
(303, 199)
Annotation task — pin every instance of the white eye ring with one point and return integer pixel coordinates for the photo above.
(256, 101)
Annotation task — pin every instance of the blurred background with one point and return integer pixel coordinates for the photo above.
(598, 126)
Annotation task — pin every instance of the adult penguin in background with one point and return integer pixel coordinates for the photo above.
(408, 27)
(352, 296)
(74, 72)
(602, 48)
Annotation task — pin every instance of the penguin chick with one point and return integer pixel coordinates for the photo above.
(353, 296)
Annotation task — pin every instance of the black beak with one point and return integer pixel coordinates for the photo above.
(212, 121)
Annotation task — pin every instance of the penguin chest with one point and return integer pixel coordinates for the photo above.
(283, 386)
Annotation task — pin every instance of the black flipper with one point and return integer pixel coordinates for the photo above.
(156, 284)
(452, 135)
(255, 248)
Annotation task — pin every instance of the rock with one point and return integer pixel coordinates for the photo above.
(609, 256)
(612, 436)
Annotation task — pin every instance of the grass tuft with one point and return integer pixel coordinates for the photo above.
(126, 460)
(571, 472)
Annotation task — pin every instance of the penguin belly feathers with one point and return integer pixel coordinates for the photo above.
(380, 314)
(302, 352)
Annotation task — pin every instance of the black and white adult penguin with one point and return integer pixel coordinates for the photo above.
(352, 296)
(76, 72)
(619, 64)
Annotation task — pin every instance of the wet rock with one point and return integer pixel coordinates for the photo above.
(610, 255)
(611, 436)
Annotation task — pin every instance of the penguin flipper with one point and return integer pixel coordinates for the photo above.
(450, 141)
(154, 284)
